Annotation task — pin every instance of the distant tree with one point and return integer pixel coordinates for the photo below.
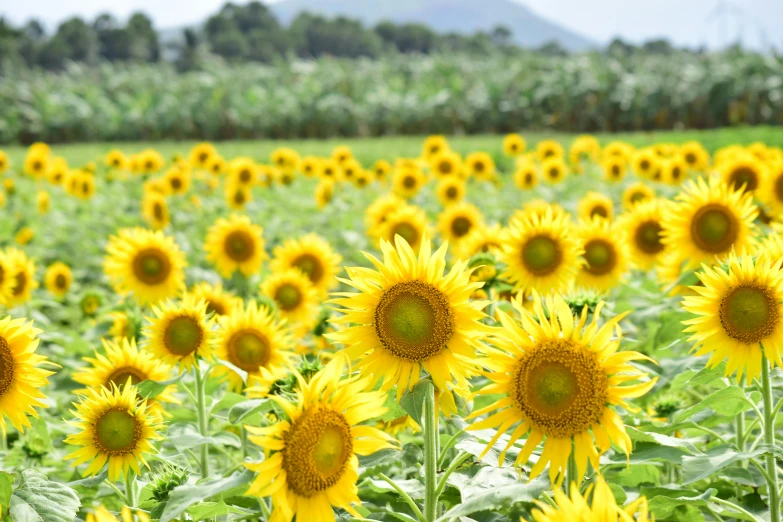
(620, 48)
(553, 48)
(230, 45)
(144, 38)
(79, 38)
(407, 38)
(501, 36)
(658, 46)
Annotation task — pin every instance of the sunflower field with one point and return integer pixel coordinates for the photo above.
(442, 329)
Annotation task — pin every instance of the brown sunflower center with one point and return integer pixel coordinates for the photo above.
(288, 297)
(554, 172)
(714, 228)
(413, 320)
(239, 197)
(215, 307)
(176, 183)
(157, 211)
(120, 376)
(749, 313)
(183, 335)
(318, 448)
(644, 165)
(239, 246)
(690, 158)
(310, 265)
(6, 367)
(479, 166)
(460, 226)
(528, 178)
(615, 171)
(245, 175)
(601, 256)
(599, 210)
(445, 167)
(409, 182)
(249, 350)
(744, 177)
(648, 237)
(202, 157)
(117, 432)
(407, 231)
(151, 266)
(779, 187)
(60, 281)
(452, 193)
(21, 283)
(560, 387)
(638, 196)
(541, 255)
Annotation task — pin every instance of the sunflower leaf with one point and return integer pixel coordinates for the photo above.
(727, 401)
(502, 497)
(182, 497)
(38, 499)
(151, 389)
(239, 412)
(413, 400)
(702, 466)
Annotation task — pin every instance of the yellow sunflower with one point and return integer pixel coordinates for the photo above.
(554, 169)
(58, 168)
(115, 159)
(407, 181)
(541, 252)
(313, 256)
(674, 170)
(646, 164)
(635, 194)
(481, 239)
(330, 169)
(596, 204)
(5, 163)
(219, 301)
(217, 165)
(151, 161)
(456, 221)
(36, 164)
(526, 175)
(295, 296)
(744, 172)
(237, 196)
(145, 263)
(22, 377)
(155, 210)
(446, 163)
(253, 341)
(549, 149)
(200, 154)
(695, 156)
(24, 236)
(408, 315)
(481, 166)
(643, 226)
(617, 149)
(451, 190)
(772, 191)
(513, 145)
(433, 146)
(351, 167)
(235, 244)
(342, 154)
(708, 220)
(381, 169)
(43, 201)
(115, 427)
(22, 272)
(177, 181)
(58, 279)
(739, 313)
(311, 166)
(376, 212)
(560, 379)
(409, 222)
(7, 279)
(324, 192)
(180, 332)
(101, 514)
(362, 179)
(606, 254)
(311, 459)
(614, 168)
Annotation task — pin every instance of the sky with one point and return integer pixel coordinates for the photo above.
(685, 22)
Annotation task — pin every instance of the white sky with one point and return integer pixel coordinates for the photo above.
(683, 21)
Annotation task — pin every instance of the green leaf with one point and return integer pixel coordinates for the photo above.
(728, 401)
(90, 482)
(498, 498)
(665, 501)
(412, 487)
(38, 499)
(702, 466)
(240, 411)
(227, 401)
(151, 389)
(188, 438)
(413, 400)
(6, 488)
(662, 440)
(182, 497)
(393, 409)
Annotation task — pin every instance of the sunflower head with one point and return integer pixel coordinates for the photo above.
(606, 254)
(643, 228)
(408, 222)
(201, 154)
(596, 205)
(407, 181)
(180, 332)
(22, 272)
(514, 145)
(635, 194)
(451, 190)
(456, 221)
(480, 165)
(295, 297)
(549, 149)
(58, 279)
(554, 169)
(433, 146)
(235, 244)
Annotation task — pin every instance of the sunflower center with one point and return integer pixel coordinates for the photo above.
(690, 158)
(779, 187)
(183, 335)
(554, 173)
(249, 350)
(6, 367)
(407, 231)
(202, 157)
(413, 320)
(714, 229)
(176, 183)
(444, 167)
(560, 387)
(409, 182)
(60, 281)
(478, 166)
(120, 376)
(239, 197)
(151, 266)
(37, 165)
(638, 196)
(648, 237)
(600, 256)
(117, 432)
(318, 448)
(451, 193)
(214, 307)
(615, 170)
(600, 211)
(21, 283)
(644, 165)
(528, 178)
(157, 211)
(541, 255)
(244, 176)
(744, 176)
(749, 313)
(239, 246)
(461, 226)
(311, 266)
(288, 297)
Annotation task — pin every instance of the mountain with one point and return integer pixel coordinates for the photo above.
(462, 16)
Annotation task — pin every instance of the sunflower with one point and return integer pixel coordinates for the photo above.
(643, 226)
(584, 149)
(201, 154)
(180, 332)
(635, 194)
(295, 296)
(738, 314)
(21, 378)
(456, 221)
(253, 341)
(362, 178)
(311, 455)
(237, 196)
(595, 204)
(217, 165)
(549, 149)
(330, 169)
(145, 263)
(313, 256)
(155, 210)
(58, 168)
(481, 166)
(342, 154)
(481, 239)
(537, 207)
(446, 163)
(151, 161)
(324, 192)
(177, 181)
(618, 149)
(772, 191)
(614, 168)
(115, 426)
(407, 181)
(554, 169)
(5, 163)
(101, 514)
(409, 222)
(744, 172)
(85, 185)
(708, 220)
(408, 315)
(434, 145)
(7, 279)
(115, 159)
(351, 168)
(22, 272)
(451, 190)
(541, 252)
(24, 236)
(381, 169)
(647, 164)
(695, 156)
(606, 254)
(36, 164)
(235, 244)
(602, 508)
(124, 326)
(559, 381)
(376, 212)
(123, 360)
(526, 175)
(513, 145)
(219, 301)
(43, 201)
(58, 279)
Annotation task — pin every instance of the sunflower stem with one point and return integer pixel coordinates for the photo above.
(130, 489)
(430, 455)
(740, 428)
(571, 479)
(769, 439)
(201, 410)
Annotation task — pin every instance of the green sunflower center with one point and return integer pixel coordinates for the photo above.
(601, 257)
(60, 281)
(714, 228)
(117, 432)
(460, 226)
(318, 448)
(749, 313)
(6, 367)
(120, 376)
(541, 255)
(648, 237)
(249, 350)
(151, 266)
(407, 231)
(239, 246)
(414, 320)
(183, 335)
(288, 297)
(311, 266)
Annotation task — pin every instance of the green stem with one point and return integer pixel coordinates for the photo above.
(201, 410)
(740, 428)
(120, 494)
(130, 489)
(405, 496)
(735, 507)
(769, 439)
(571, 479)
(449, 444)
(451, 469)
(430, 455)
(244, 441)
